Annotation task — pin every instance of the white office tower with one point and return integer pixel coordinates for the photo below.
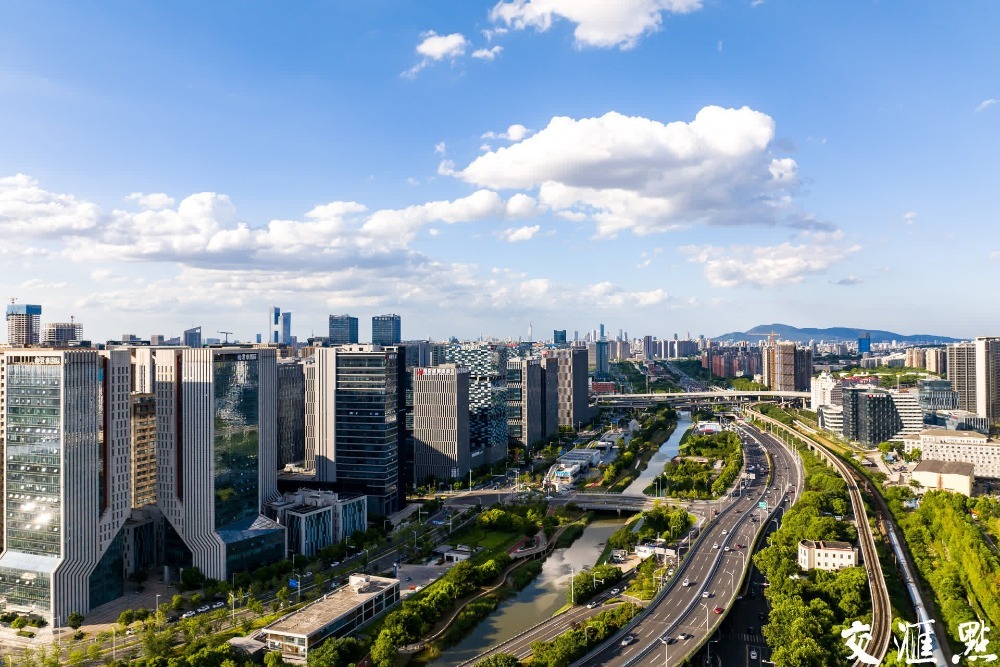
(216, 456)
(66, 479)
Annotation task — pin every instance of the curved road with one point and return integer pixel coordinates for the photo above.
(708, 569)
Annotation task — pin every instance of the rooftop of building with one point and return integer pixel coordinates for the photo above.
(945, 467)
(946, 433)
(317, 615)
(831, 545)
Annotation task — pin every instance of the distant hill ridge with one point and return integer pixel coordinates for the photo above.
(832, 334)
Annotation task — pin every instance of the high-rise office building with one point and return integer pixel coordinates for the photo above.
(23, 324)
(217, 457)
(988, 379)
(192, 337)
(962, 373)
(280, 326)
(550, 397)
(386, 330)
(559, 337)
(602, 359)
(525, 410)
(61, 334)
(66, 456)
(487, 364)
(864, 343)
(356, 422)
(291, 413)
(343, 330)
(574, 407)
(441, 423)
(870, 416)
(142, 431)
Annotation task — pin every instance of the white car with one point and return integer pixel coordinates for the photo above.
(687, 582)
(715, 546)
(753, 654)
(723, 531)
(706, 594)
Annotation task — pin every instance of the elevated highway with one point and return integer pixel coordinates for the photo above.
(718, 396)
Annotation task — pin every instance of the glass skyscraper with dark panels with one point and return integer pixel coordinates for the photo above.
(343, 330)
(386, 330)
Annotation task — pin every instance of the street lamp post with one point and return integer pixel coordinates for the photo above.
(156, 610)
(572, 595)
(666, 648)
(114, 643)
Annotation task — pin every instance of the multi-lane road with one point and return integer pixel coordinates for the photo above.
(687, 615)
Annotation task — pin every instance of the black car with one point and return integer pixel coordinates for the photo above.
(669, 640)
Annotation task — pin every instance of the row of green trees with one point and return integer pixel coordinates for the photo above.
(685, 478)
(661, 521)
(590, 582)
(808, 609)
(946, 538)
(578, 641)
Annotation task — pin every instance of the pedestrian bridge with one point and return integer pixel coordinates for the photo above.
(613, 501)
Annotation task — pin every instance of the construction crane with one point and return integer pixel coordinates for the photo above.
(227, 333)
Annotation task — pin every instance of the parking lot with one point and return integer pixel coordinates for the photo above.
(415, 577)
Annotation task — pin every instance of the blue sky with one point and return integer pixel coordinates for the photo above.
(660, 166)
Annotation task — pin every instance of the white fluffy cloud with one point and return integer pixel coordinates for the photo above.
(28, 210)
(634, 173)
(515, 234)
(598, 23)
(488, 54)
(766, 266)
(155, 201)
(435, 48)
(515, 132)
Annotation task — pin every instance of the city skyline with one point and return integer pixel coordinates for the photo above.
(660, 166)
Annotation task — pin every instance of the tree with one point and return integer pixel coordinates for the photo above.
(499, 660)
(274, 659)
(191, 577)
(75, 620)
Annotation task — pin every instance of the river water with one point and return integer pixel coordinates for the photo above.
(667, 451)
(539, 600)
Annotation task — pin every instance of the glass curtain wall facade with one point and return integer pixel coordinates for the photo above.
(33, 455)
(367, 451)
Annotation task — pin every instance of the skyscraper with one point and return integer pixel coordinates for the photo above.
(60, 334)
(66, 443)
(217, 458)
(356, 414)
(525, 412)
(343, 330)
(574, 408)
(440, 423)
(864, 343)
(23, 324)
(961, 358)
(386, 330)
(192, 337)
(559, 337)
(487, 364)
(291, 413)
(988, 379)
(281, 326)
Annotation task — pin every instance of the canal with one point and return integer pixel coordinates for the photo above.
(667, 451)
(539, 600)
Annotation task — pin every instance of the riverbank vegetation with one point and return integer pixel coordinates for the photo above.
(633, 457)
(693, 475)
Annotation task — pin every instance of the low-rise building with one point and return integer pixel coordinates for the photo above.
(962, 446)
(316, 519)
(955, 476)
(336, 614)
(824, 555)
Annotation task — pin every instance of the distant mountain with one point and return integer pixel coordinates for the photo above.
(833, 334)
